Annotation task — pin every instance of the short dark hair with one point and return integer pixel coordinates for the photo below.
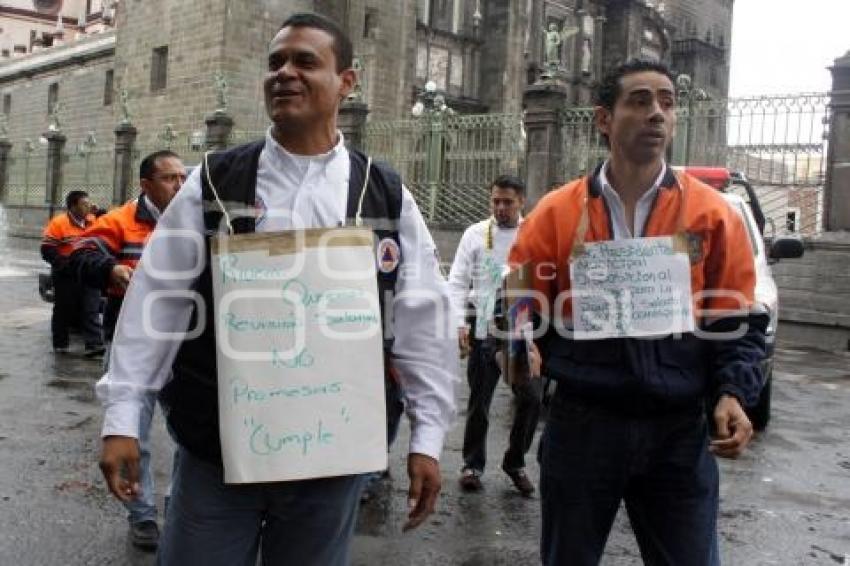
(608, 89)
(148, 165)
(509, 182)
(343, 50)
(72, 198)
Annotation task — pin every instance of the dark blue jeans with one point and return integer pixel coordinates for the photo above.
(295, 522)
(592, 458)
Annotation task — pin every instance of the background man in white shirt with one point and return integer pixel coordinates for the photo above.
(299, 178)
(480, 262)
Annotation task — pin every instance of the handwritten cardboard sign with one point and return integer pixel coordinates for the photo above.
(300, 355)
(635, 287)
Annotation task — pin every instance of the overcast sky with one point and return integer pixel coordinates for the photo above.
(784, 46)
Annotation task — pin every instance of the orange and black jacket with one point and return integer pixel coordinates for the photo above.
(668, 373)
(59, 237)
(117, 237)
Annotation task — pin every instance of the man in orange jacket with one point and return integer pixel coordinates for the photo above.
(105, 257)
(72, 302)
(645, 246)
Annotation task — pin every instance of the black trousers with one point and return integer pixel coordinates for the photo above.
(74, 305)
(482, 373)
(593, 458)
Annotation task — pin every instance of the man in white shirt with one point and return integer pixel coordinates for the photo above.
(480, 262)
(300, 176)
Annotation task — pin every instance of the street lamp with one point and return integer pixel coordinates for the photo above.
(432, 107)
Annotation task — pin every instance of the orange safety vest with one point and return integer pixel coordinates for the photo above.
(63, 231)
(717, 241)
(121, 233)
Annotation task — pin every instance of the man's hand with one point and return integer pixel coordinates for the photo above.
(424, 473)
(120, 275)
(463, 341)
(119, 462)
(734, 429)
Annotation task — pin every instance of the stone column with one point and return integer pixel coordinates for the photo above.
(543, 101)
(53, 176)
(123, 174)
(219, 126)
(837, 189)
(5, 150)
(352, 123)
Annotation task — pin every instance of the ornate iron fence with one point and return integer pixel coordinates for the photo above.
(582, 146)
(777, 142)
(448, 160)
(26, 181)
(91, 169)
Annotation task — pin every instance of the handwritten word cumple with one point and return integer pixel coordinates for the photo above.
(263, 442)
(243, 392)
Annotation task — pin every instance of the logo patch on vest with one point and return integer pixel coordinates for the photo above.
(695, 253)
(388, 255)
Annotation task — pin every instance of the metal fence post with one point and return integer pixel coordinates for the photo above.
(122, 178)
(352, 123)
(5, 150)
(837, 189)
(680, 149)
(544, 102)
(53, 179)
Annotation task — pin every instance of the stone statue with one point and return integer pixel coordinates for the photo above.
(168, 136)
(125, 109)
(553, 46)
(221, 91)
(55, 122)
(554, 38)
(4, 131)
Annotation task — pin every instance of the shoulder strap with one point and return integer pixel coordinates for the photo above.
(229, 187)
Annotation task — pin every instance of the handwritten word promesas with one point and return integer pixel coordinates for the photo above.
(245, 393)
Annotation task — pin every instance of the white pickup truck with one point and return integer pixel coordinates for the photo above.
(766, 293)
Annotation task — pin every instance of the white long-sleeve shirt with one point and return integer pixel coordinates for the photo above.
(482, 266)
(292, 192)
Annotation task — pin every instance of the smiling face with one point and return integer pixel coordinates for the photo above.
(303, 87)
(643, 120)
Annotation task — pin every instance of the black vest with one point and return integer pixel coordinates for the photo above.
(191, 397)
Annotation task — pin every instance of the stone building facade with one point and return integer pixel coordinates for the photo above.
(481, 54)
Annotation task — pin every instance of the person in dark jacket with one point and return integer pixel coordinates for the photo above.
(627, 419)
(73, 303)
(105, 258)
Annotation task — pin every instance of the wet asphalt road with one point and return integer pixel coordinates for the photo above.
(786, 501)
